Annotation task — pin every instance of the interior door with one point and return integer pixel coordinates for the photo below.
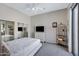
(75, 29)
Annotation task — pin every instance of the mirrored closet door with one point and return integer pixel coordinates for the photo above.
(7, 30)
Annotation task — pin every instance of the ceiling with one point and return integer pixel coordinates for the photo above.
(32, 9)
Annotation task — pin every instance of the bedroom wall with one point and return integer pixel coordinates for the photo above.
(69, 30)
(10, 14)
(46, 20)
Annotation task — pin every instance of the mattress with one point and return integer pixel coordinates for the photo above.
(24, 46)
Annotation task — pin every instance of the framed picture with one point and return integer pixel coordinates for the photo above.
(54, 24)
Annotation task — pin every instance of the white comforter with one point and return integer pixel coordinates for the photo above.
(24, 46)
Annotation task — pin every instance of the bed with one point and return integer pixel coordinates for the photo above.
(23, 46)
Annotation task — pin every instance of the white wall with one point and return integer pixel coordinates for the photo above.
(69, 30)
(10, 14)
(46, 20)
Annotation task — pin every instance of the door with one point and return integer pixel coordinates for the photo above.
(75, 29)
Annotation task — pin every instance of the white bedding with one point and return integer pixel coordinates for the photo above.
(24, 46)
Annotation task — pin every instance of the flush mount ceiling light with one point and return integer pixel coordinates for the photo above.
(37, 9)
(34, 7)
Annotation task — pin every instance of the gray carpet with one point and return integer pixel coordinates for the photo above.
(52, 50)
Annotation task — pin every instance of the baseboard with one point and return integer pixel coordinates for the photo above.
(49, 42)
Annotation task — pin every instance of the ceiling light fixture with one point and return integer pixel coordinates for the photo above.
(34, 7)
(37, 9)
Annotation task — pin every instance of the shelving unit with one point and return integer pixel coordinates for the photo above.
(62, 34)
